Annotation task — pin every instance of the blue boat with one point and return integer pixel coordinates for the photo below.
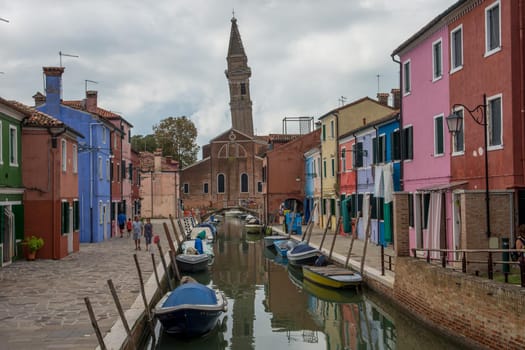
(303, 254)
(190, 310)
(283, 246)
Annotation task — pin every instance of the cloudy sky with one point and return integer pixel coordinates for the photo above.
(154, 59)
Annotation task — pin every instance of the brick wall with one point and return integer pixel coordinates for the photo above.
(401, 238)
(487, 312)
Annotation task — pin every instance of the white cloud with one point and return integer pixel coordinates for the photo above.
(155, 59)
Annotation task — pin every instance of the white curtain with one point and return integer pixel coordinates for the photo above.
(378, 181)
(366, 213)
(434, 223)
(388, 182)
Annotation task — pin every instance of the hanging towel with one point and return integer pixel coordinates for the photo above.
(388, 182)
(378, 181)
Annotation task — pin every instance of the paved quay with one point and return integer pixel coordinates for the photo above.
(42, 302)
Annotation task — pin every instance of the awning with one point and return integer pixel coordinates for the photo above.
(442, 187)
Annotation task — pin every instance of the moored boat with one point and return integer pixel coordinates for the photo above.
(253, 225)
(269, 240)
(283, 246)
(190, 310)
(303, 254)
(195, 255)
(332, 276)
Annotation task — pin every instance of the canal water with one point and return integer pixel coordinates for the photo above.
(271, 307)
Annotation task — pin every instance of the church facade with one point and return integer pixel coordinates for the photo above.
(230, 172)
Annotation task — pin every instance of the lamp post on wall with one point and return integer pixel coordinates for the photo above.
(455, 123)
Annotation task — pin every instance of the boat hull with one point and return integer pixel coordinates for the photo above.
(253, 228)
(301, 255)
(332, 277)
(192, 263)
(192, 319)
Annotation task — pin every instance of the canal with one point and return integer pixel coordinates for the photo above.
(271, 307)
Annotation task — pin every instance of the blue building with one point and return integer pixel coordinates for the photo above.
(94, 158)
(378, 177)
(311, 197)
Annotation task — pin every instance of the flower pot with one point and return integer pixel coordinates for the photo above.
(31, 255)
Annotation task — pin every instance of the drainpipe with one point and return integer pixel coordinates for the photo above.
(55, 244)
(401, 162)
(522, 101)
(91, 179)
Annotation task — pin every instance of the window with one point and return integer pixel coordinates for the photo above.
(396, 145)
(319, 165)
(408, 139)
(243, 88)
(324, 168)
(220, 183)
(118, 172)
(108, 170)
(264, 174)
(378, 149)
(123, 170)
(456, 49)
(100, 212)
(324, 133)
(130, 171)
(406, 78)
(100, 167)
(343, 160)
(357, 151)
(64, 215)
(76, 215)
(492, 29)
(75, 159)
(259, 186)
(333, 166)
(332, 129)
(13, 145)
(205, 187)
(111, 172)
(314, 166)
(129, 135)
(438, 136)
(63, 145)
(104, 135)
(458, 138)
(437, 60)
(411, 209)
(495, 121)
(114, 140)
(186, 188)
(244, 183)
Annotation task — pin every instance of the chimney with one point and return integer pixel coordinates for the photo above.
(396, 96)
(39, 98)
(157, 163)
(91, 101)
(53, 89)
(382, 98)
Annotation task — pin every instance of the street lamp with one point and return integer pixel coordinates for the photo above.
(479, 115)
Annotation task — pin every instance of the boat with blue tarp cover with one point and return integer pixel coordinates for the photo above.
(190, 310)
(303, 254)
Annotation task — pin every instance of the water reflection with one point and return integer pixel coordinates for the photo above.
(270, 306)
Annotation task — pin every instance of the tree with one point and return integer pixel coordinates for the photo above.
(142, 143)
(176, 136)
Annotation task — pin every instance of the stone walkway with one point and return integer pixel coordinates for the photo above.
(42, 302)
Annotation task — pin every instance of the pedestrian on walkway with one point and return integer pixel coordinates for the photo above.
(148, 233)
(138, 229)
(129, 226)
(121, 219)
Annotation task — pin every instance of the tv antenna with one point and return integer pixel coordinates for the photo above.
(342, 100)
(4, 20)
(86, 81)
(60, 53)
(378, 76)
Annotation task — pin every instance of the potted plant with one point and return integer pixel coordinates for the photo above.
(32, 244)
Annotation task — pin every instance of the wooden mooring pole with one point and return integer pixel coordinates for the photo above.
(166, 271)
(335, 236)
(354, 234)
(328, 225)
(95, 324)
(146, 306)
(121, 313)
(155, 271)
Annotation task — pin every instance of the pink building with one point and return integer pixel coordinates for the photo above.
(424, 62)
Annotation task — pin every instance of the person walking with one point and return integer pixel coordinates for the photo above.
(138, 229)
(121, 219)
(129, 227)
(148, 233)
